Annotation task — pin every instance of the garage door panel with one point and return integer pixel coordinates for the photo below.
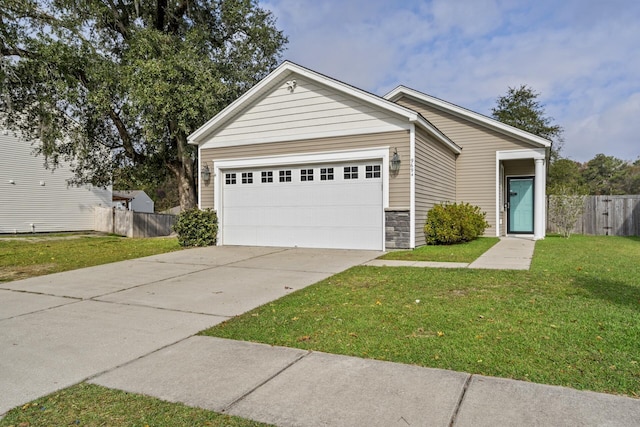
(326, 214)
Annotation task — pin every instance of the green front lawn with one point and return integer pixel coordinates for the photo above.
(464, 252)
(20, 259)
(92, 406)
(573, 320)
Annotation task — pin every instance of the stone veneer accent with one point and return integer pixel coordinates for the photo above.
(397, 229)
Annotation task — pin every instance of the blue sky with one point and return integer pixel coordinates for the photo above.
(582, 56)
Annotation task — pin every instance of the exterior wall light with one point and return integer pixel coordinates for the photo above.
(205, 173)
(394, 164)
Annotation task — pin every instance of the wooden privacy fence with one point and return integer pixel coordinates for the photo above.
(132, 224)
(606, 216)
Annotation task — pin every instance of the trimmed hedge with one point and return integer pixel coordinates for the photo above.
(450, 223)
(197, 227)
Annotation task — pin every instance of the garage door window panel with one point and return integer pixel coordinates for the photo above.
(372, 171)
(267, 176)
(230, 178)
(306, 175)
(326, 174)
(247, 177)
(351, 172)
(285, 176)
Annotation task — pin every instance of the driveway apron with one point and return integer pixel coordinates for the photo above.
(60, 329)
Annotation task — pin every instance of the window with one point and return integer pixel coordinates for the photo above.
(285, 176)
(326, 174)
(351, 172)
(230, 178)
(372, 171)
(306, 174)
(267, 176)
(247, 177)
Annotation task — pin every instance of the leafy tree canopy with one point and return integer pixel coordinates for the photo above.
(563, 174)
(113, 83)
(520, 108)
(606, 175)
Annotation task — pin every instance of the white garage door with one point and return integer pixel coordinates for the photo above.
(335, 205)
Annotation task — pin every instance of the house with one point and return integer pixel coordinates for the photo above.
(302, 159)
(36, 199)
(133, 200)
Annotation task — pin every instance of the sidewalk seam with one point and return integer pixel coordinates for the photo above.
(245, 395)
(467, 383)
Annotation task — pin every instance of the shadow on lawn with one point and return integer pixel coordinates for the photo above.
(610, 290)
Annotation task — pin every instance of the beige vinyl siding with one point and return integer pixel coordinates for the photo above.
(435, 178)
(398, 185)
(39, 196)
(522, 167)
(476, 166)
(309, 111)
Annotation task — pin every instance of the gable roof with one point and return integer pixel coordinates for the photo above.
(265, 85)
(472, 116)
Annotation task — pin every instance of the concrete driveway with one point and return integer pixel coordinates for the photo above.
(60, 329)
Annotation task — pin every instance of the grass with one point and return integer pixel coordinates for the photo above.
(20, 259)
(466, 252)
(573, 320)
(92, 405)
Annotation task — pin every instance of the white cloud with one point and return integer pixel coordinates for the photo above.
(583, 56)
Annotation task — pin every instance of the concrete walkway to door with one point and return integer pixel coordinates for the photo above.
(510, 253)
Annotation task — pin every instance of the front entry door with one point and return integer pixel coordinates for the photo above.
(520, 205)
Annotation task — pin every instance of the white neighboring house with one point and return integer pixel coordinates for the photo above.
(133, 200)
(36, 199)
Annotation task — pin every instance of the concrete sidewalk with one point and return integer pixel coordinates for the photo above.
(510, 253)
(291, 387)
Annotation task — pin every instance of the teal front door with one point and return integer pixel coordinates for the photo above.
(520, 205)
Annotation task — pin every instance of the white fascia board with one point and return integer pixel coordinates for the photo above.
(426, 125)
(478, 118)
(290, 68)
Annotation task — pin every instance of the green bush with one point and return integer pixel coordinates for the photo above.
(197, 227)
(450, 223)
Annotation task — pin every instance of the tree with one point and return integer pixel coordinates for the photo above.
(566, 205)
(122, 83)
(605, 175)
(631, 181)
(565, 173)
(520, 108)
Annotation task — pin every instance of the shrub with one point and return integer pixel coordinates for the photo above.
(450, 223)
(197, 227)
(566, 205)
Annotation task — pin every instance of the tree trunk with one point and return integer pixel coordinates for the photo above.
(186, 189)
(182, 168)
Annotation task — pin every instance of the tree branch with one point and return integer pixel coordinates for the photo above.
(175, 18)
(127, 142)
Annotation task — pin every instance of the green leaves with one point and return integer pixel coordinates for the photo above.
(197, 227)
(108, 84)
(520, 108)
(450, 223)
